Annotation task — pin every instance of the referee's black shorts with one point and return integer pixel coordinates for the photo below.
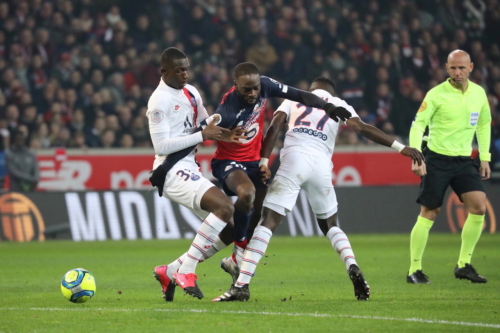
(460, 172)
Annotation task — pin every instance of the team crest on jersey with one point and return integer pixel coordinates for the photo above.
(156, 116)
(192, 100)
(195, 177)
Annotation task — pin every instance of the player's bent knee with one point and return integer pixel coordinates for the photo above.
(246, 198)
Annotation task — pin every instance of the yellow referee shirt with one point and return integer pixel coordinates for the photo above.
(453, 118)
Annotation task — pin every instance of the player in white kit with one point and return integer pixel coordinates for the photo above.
(306, 163)
(175, 113)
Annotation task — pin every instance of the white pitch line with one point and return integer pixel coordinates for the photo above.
(322, 315)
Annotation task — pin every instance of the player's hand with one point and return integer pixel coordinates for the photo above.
(419, 170)
(212, 131)
(484, 170)
(265, 174)
(234, 135)
(337, 112)
(414, 154)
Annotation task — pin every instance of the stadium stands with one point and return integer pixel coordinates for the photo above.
(79, 73)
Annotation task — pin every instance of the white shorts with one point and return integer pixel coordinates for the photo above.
(186, 187)
(311, 173)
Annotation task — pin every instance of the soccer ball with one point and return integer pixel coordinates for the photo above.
(78, 285)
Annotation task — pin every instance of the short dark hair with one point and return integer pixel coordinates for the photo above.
(245, 68)
(169, 55)
(325, 81)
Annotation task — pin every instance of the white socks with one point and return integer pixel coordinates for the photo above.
(206, 236)
(341, 244)
(256, 248)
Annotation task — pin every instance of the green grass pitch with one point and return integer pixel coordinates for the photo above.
(301, 286)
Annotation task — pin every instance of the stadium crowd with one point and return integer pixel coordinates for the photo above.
(79, 73)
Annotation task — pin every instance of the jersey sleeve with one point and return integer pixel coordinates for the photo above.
(158, 114)
(158, 117)
(423, 118)
(222, 109)
(274, 88)
(483, 131)
(285, 107)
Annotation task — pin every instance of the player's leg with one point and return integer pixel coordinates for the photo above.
(260, 195)
(255, 250)
(340, 243)
(323, 200)
(221, 212)
(164, 273)
(432, 190)
(280, 199)
(240, 184)
(469, 187)
(231, 264)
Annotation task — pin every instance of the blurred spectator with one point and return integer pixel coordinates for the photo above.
(101, 57)
(352, 88)
(262, 54)
(22, 165)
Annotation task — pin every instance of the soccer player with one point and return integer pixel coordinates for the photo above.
(175, 109)
(455, 110)
(238, 166)
(306, 163)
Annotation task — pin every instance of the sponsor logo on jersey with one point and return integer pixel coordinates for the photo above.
(474, 116)
(311, 132)
(156, 116)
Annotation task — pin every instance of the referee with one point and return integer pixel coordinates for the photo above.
(454, 111)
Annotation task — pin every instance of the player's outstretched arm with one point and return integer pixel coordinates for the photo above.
(333, 111)
(307, 98)
(272, 134)
(376, 135)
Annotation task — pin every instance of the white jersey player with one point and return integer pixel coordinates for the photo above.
(306, 163)
(174, 112)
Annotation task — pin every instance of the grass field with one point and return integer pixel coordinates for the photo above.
(304, 271)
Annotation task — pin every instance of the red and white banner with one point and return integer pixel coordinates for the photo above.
(89, 171)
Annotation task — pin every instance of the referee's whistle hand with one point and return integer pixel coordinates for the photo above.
(419, 170)
(484, 170)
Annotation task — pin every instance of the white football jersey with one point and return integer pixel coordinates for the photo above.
(309, 129)
(175, 113)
